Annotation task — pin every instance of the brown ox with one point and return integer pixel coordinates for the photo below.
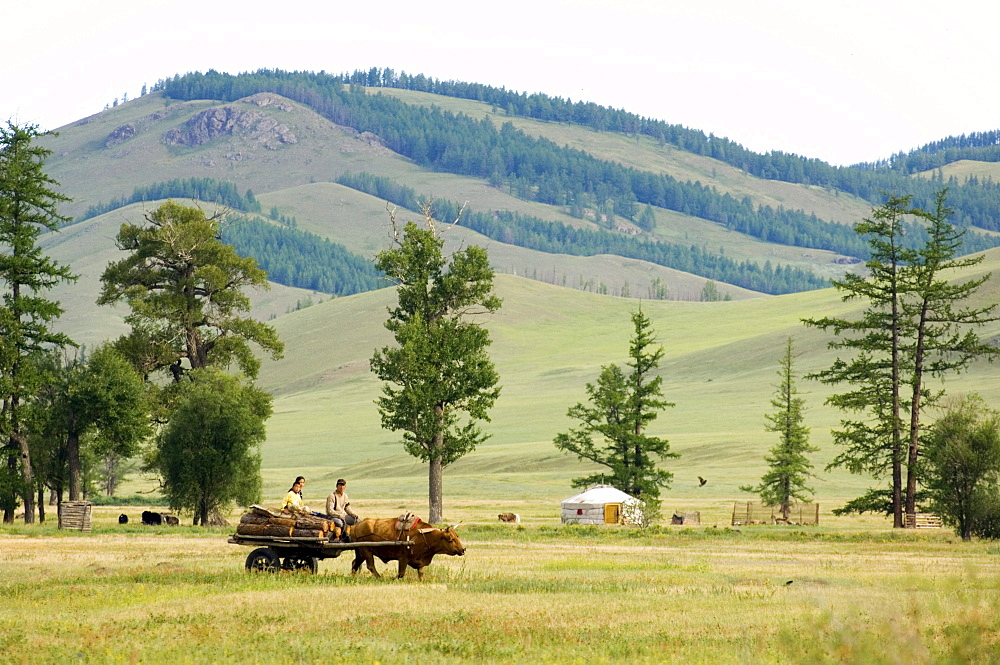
(426, 540)
(509, 518)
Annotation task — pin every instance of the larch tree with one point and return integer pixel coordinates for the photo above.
(877, 438)
(944, 340)
(28, 207)
(916, 324)
(186, 292)
(612, 429)
(440, 381)
(789, 465)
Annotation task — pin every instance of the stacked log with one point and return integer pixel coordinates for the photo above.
(75, 515)
(263, 522)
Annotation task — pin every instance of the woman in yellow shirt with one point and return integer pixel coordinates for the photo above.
(293, 500)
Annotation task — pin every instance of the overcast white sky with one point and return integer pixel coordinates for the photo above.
(844, 81)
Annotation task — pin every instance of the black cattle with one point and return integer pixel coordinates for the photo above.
(151, 519)
(123, 519)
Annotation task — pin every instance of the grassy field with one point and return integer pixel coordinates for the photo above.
(853, 592)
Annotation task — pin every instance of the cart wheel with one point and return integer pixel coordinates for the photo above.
(300, 562)
(263, 559)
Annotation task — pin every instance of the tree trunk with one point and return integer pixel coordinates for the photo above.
(8, 513)
(41, 505)
(73, 461)
(27, 478)
(897, 436)
(435, 490)
(918, 377)
(203, 513)
(435, 472)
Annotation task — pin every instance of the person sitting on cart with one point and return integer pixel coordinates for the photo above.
(292, 502)
(338, 509)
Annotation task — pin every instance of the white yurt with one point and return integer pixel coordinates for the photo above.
(598, 505)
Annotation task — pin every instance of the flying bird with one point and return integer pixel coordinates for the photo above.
(701, 481)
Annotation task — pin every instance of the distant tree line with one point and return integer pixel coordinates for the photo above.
(302, 259)
(201, 189)
(978, 146)
(557, 238)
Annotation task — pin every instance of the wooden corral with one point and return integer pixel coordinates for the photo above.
(922, 521)
(806, 514)
(686, 518)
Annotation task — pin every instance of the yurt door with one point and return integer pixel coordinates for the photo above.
(612, 513)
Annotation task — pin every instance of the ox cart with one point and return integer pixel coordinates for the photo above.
(274, 553)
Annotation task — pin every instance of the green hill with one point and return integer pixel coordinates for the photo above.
(555, 329)
(720, 368)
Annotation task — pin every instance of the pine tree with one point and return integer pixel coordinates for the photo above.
(874, 443)
(943, 341)
(28, 206)
(914, 327)
(622, 406)
(789, 465)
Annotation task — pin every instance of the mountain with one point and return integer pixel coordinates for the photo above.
(585, 217)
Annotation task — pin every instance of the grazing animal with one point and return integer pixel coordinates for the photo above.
(509, 518)
(170, 520)
(151, 519)
(427, 541)
(123, 519)
(701, 481)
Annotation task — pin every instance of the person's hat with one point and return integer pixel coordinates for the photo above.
(341, 481)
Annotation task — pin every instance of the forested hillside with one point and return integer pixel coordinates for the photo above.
(227, 140)
(976, 205)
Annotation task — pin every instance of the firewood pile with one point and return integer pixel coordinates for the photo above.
(263, 522)
(75, 515)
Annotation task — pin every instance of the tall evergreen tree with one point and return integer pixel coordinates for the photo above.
(785, 481)
(439, 379)
(28, 207)
(915, 326)
(622, 405)
(877, 439)
(943, 340)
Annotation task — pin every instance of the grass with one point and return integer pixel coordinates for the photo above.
(531, 593)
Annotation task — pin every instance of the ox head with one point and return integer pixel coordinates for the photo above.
(445, 541)
(454, 545)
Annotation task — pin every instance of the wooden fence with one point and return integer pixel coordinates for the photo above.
(758, 513)
(922, 521)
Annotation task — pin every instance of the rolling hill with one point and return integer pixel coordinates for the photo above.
(565, 315)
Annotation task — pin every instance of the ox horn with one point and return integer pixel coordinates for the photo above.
(454, 526)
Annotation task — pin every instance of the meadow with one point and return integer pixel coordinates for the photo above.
(853, 591)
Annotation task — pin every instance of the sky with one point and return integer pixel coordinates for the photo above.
(846, 82)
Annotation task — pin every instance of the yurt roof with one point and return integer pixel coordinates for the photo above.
(599, 495)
